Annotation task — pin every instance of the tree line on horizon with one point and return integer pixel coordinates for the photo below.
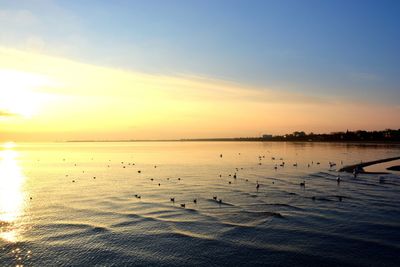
(387, 135)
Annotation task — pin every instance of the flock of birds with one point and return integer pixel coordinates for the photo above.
(281, 163)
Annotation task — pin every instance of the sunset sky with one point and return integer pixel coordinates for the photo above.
(186, 69)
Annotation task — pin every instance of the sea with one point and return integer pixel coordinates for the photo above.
(197, 204)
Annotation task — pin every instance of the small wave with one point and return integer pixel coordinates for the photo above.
(320, 198)
(263, 214)
(283, 205)
(319, 175)
(222, 203)
(72, 230)
(125, 224)
(175, 235)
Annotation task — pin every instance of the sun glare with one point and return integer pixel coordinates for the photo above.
(9, 145)
(19, 95)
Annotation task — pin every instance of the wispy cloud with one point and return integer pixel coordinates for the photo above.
(27, 28)
(18, 17)
(4, 113)
(85, 80)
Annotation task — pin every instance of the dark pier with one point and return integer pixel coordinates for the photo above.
(360, 166)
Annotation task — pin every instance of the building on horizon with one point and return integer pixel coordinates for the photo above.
(267, 136)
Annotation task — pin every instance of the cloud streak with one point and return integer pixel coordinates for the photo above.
(111, 82)
(4, 113)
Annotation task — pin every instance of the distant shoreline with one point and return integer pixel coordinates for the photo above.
(387, 136)
(229, 140)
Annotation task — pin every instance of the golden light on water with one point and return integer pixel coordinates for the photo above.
(11, 194)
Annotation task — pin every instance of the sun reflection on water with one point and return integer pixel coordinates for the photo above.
(11, 194)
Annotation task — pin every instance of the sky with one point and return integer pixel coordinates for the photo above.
(104, 70)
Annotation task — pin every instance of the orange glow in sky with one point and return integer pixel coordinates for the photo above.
(47, 98)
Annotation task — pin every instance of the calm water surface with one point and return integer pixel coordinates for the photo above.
(74, 204)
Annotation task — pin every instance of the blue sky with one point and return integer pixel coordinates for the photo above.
(324, 48)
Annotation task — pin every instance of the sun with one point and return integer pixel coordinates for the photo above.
(9, 145)
(18, 94)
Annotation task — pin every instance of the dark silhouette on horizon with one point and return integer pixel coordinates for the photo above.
(385, 136)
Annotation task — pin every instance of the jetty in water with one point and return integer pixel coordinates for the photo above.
(360, 166)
